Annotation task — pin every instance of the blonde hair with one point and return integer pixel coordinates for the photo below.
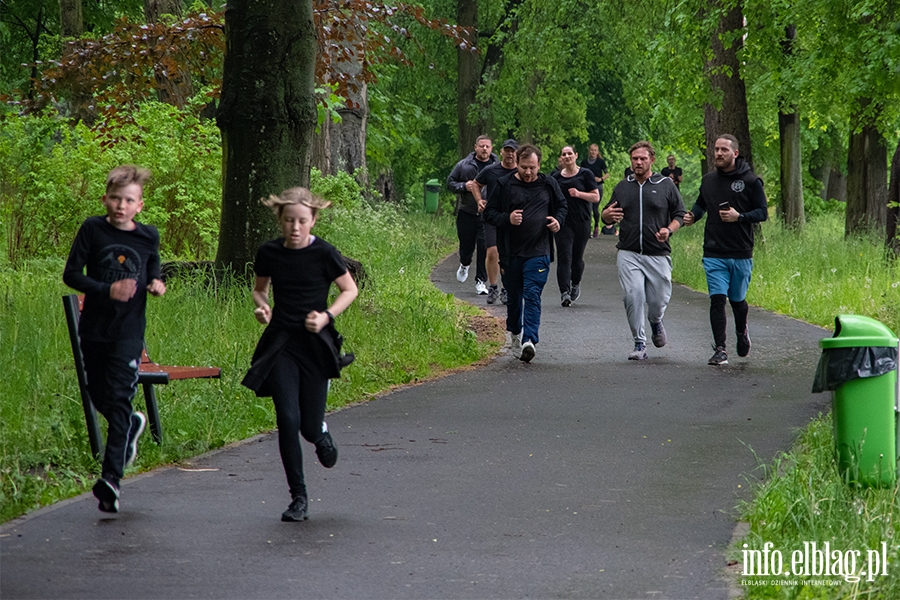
(126, 175)
(295, 195)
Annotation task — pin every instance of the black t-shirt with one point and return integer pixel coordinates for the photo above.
(301, 279)
(111, 254)
(489, 176)
(598, 168)
(579, 210)
(677, 172)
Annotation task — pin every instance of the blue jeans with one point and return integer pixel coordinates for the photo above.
(525, 279)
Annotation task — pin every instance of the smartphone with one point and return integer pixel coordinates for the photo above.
(724, 206)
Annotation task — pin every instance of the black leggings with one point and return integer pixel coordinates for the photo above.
(470, 231)
(719, 320)
(299, 392)
(570, 244)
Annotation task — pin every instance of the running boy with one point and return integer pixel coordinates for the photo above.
(122, 260)
(297, 353)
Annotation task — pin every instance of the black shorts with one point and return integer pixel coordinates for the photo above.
(490, 236)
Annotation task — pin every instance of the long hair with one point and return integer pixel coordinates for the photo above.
(295, 195)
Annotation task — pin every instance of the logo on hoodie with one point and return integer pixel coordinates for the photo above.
(737, 185)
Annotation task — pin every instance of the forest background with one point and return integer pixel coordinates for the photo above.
(365, 102)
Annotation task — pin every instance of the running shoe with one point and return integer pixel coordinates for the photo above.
(480, 288)
(566, 299)
(462, 273)
(720, 357)
(108, 494)
(639, 352)
(527, 351)
(743, 342)
(504, 297)
(138, 422)
(659, 334)
(493, 294)
(326, 450)
(298, 510)
(576, 291)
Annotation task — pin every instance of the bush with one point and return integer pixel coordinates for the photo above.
(52, 177)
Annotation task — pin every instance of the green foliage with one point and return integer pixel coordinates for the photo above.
(804, 499)
(53, 177)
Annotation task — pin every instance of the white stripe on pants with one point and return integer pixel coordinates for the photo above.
(644, 279)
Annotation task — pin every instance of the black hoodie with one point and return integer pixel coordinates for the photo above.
(743, 190)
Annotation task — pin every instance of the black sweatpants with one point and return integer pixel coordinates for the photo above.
(470, 231)
(112, 375)
(299, 392)
(570, 244)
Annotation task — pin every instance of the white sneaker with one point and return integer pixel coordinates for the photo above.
(480, 288)
(462, 273)
(516, 345)
(527, 351)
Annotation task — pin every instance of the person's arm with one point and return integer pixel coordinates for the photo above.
(155, 284)
(263, 311)
(493, 210)
(316, 321)
(73, 273)
(760, 210)
(559, 208)
(457, 179)
(676, 210)
(612, 212)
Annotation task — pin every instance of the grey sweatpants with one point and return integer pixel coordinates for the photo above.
(644, 279)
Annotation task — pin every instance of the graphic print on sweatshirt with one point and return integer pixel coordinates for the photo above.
(117, 262)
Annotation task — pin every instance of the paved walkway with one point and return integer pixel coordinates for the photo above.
(580, 475)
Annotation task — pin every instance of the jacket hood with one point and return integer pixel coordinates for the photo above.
(740, 168)
(655, 178)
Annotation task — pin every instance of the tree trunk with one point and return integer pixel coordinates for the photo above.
(866, 179)
(342, 146)
(467, 80)
(837, 186)
(791, 208)
(174, 84)
(267, 116)
(893, 214)
(70, 18)
(792, 213)
(725, 79)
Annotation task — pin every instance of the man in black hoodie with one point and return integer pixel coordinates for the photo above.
(734, 198)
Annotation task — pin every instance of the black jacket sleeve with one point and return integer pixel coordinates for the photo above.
(73, 274)
(760, 210)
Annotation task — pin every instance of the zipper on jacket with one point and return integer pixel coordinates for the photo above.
(641, 217)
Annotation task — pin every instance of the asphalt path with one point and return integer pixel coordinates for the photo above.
(579, 475)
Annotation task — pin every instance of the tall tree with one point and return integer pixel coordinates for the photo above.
(866, 177)
(791, 205)
(467, 79)
(893, 219)
(727, 110)
(267, 116)
(174, 83)
(71, 21)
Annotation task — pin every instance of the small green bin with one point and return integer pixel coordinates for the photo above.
(863, 353)
(432, 193)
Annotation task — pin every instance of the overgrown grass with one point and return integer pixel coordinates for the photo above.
(814, 276)
(401, 328)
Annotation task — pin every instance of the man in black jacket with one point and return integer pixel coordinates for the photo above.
(734, 198)
(649, 210)
(527, 207)
(468, 212)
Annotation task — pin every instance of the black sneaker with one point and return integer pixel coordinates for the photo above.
(326, 450)
(576, 291)
(297, 511)
(565, 299)
(743, 342)
(659, 334)
(108, 494)
(504, 297)
(720, 357)
(138, 422)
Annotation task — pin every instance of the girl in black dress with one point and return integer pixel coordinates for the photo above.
(580, 189)
(298, 352)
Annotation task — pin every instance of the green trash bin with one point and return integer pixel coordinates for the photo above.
(432, 193)
(859, 362)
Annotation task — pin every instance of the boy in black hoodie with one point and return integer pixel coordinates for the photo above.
(734, 198)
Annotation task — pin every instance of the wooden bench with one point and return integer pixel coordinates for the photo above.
(149, 374)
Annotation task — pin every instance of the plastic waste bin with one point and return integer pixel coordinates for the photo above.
(432, 193)
(859, 363)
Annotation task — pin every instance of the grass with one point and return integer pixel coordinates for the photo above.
(814, 276)
(401, 329)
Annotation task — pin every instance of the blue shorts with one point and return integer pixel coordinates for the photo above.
(728, 276)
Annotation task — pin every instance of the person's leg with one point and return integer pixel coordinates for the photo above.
(112, 371)
(631, 278)
(718, 320)
(492, 255)
(467, 233)
(512, 278)
(534, 277)
(741, 273)
(313, 398)
(595, 211)
(658, 282)
(718, 278)
(480, 254)
(564, 239)
(582, 234)
(284, 381)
